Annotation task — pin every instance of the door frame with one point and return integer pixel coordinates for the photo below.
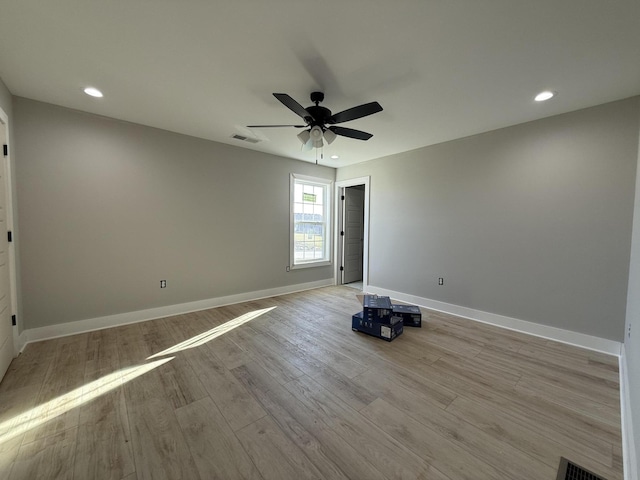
(339, 191)
(8, 170)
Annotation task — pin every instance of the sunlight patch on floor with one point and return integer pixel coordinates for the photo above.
(215, 332)
(41, 414)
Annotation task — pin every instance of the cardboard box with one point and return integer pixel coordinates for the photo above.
(384, 331)
(377, 309)
(410, 315)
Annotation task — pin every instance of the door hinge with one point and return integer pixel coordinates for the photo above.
(341, 268)
(9, 236)
(342, 198)
(342, 233)
(13, 320)
(5, 150)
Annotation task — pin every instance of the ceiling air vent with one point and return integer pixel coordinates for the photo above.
(571, 471)
(244, 138)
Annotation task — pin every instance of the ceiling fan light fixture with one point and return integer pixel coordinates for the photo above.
(303, 136)
(316, 136)
(329, 136)
(316, 133)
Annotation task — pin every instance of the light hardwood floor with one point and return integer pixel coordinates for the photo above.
(281, 389)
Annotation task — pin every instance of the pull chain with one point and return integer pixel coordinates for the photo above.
(321, 154)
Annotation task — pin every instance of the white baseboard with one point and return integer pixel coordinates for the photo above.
(91, 324)
(20, 342)
(552, 333)
(81, 326)
(630, 462)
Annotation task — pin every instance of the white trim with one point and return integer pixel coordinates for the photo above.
(21, 341)
(352, 182)
(630, 462)
(13, 282)
(552, 333)
(92, 324)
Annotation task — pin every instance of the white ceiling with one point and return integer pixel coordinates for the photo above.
(441, 69)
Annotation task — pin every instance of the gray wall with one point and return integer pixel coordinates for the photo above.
(532, 221)
(108, 209)
(632, 340)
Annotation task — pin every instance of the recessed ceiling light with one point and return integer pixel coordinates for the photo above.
(335, 157)
(546, 95)
(94, 92)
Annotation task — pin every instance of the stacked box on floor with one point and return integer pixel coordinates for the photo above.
(377, 309)
(377, 318)
(381, 330)
(410, 315)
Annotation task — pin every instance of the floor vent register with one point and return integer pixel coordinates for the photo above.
(571, 471)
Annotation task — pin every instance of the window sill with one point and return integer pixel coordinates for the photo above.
(324, 263)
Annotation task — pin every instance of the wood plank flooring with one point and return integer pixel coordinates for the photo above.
(282, 389)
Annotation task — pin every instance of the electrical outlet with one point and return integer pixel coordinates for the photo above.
(440, 281)
(288, 268)
(163, 284)
(629, 331)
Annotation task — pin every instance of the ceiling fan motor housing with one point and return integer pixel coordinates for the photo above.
(321, 115)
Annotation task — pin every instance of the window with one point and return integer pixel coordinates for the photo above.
(310, 221)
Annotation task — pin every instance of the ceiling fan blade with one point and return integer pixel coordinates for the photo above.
(294, 106)
(272, 126)
(351, 133)
(355, 113)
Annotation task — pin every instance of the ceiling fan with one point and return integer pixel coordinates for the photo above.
(320, 123)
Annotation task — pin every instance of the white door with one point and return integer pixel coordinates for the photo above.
(6, 330)
(353, 233)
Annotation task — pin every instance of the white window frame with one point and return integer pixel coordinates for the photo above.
(328, 238)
